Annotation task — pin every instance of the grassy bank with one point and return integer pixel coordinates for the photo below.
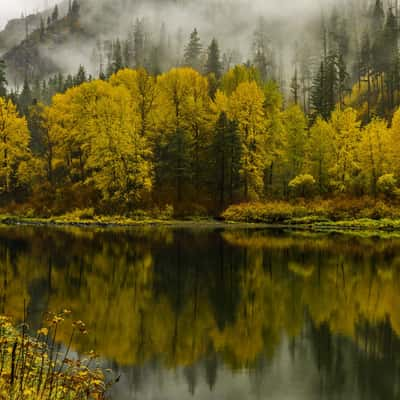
(327, 215)
(33, 368)
(322, 215)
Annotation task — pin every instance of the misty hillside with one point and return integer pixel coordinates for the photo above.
(62, 45)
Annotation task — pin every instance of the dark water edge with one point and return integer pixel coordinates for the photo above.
(218, 313)
(378, 227)
(364, 227)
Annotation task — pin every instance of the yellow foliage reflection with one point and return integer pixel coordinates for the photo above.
(180, 296)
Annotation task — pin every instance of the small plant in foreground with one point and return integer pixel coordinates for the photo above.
(36, 368)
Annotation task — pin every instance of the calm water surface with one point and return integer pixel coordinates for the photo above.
(214, 314)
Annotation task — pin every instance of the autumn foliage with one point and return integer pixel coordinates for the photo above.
(142, 142)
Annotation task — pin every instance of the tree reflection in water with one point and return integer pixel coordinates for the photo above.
(219, 313)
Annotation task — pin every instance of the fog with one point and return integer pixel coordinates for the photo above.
(15, 8)
(232, 22)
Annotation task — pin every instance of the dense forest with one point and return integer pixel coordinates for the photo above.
(149, 126)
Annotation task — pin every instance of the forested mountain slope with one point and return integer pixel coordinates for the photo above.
(271, 34)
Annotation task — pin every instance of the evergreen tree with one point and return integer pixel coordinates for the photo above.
(154, 64)
(226, 160)
(263, 53)
(42, 29)
(365, 68)
(318, 99)
(69, 82)
(117, 56)
(36, 90)
(25, 98)
(342, 78)
(260, 62)
(365, 55)
(54, 15)
(60, 84)
(3, 79)
(192, 55)
(128, 51)
(75, 8)
(389, 42)
(377, 18)
(213, 65)
(74, 13)
(295, 87)
(80, 77)
(139, 44)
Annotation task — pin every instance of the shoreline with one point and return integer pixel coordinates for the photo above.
(345, 226)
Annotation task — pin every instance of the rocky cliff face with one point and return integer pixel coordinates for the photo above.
(15, 31)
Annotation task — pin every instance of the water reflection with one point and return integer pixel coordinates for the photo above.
(219, 314)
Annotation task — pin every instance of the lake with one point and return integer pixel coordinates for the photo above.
(217, 313)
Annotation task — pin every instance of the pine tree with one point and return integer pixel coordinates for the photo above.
(154, 64)
(25, 99)
(260, 62)
(389, 43)
(342, 78)
(192, 55)
(226, 160)
(128, 51)
(3, 79)
(295, 87)
(80, 76)
(365, 69)
(42, 29)
(377, 18)
(213, 65)
(117, 56)
(264, 57)
(75, 8)
(365, 55)
(139, 44)
(74, 12)
(318, 103)
(69, 82)
(54, 15)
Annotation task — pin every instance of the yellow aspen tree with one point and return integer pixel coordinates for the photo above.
(14, 147)
(275, 140)
(374, 152)
(119, 157)
(237, 75)
(295, 124)
(52, 135)
(247, 109)
(143, 90)
(346, 135)
(394, 135)
(319, 153)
